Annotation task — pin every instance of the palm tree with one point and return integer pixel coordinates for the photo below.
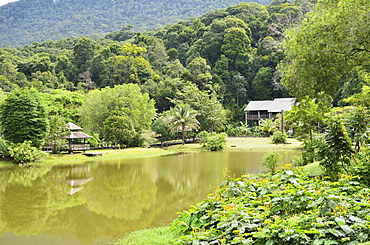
(268, 126)
(183, 116)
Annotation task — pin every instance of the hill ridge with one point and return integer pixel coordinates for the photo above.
(28, 21)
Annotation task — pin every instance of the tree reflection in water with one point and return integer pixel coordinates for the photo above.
(115, 197)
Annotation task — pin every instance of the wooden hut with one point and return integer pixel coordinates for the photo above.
(76, 139)
(266, 109)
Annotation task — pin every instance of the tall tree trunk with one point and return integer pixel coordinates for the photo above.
(183, 133)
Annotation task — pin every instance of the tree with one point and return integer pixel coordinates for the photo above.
(305, 117)
(58, 130)
(130, 66)
(330, 43)
(64, 103)
(211, 114)
(271, 161)
(83, 51)
(183, 117)
(336, 153)
(119, 129)
(268, 126)
(126, 99)
(161, 127)
(360, 99)
(200, 72)
(23, 117)
(358, 126)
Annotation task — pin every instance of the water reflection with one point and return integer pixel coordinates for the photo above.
(102, 200)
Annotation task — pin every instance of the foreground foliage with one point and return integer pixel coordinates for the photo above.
(23, 153)
(213, 141)
(287, 208)
(156, 236)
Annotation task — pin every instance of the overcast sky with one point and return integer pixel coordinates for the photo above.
(3, 2)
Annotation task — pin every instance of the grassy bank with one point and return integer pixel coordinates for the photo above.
(233, 144)
(155, 236)
(106, 154)
(245, 143)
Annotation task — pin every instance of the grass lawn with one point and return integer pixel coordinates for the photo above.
(155, 236)
(245, 143)
(55, 159)
(232, 144)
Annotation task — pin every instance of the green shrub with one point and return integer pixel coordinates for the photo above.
(271, 161)
(4, 148)
(361, 167)
(336, 153)
(243, 130)
(203, 138)
(216, 142)
(95, 141)
(286, 208)
(278, 137)
(155, 236)
(25, 153)
(309, 155)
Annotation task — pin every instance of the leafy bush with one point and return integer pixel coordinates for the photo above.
(309, 155)
(95, 141)
(271, 161)
(216, 142)
(4, 148)
(361, 167)
(336, 153)
(278, 137)
(287, 208)
(155, 236)
(203, 138)
(243, 130)
(25, 153)
(268, 126)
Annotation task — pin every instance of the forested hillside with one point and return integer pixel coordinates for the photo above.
(218, 61)
(27, 21)
(211, 66)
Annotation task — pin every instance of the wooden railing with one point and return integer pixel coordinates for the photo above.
(79, 147)
(256, 117)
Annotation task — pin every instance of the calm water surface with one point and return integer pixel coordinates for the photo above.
(102, 200)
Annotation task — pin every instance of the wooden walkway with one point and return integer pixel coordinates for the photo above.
(92, 154)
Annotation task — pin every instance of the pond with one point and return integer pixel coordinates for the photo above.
(101, 200)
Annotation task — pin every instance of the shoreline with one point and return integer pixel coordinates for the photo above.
(232, 144)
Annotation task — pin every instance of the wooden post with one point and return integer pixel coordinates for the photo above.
(282, 121)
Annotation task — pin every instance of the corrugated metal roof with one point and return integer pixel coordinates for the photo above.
(276, 105)
(281, 104)
(260, 105)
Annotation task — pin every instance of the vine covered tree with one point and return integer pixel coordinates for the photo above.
(23, 117)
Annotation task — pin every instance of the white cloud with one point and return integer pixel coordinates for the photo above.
(3, 2)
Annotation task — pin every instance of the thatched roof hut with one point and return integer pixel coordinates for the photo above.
(75, 133)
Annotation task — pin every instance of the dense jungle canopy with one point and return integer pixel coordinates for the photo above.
(27, 21)
(215, 63)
